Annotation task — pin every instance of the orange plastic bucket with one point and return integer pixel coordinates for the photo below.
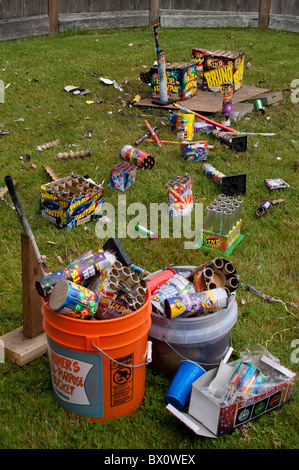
(98, 367)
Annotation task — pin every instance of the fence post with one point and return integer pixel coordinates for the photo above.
(53, 17)
(265, 6)
(154, 12)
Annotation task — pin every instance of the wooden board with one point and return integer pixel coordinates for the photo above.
(22, 350)
(207, 101)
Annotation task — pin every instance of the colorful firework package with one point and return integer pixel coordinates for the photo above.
(71, 201)
(181, 80)
(123, 175)
(194, 151)
(179, 196)
(220, 66)
(262, 385)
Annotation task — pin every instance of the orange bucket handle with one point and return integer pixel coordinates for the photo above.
(148, 356)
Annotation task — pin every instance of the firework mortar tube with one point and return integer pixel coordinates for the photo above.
(161, 69)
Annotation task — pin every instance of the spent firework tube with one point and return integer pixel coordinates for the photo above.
(79, 271)
(73, 300)
(148, 134)
(263, 208)
(228, 90)
(176, 285)
(156, 280)
(151, 235)
(162, 77)
(137, 157)
(196, 304)
(212, 173)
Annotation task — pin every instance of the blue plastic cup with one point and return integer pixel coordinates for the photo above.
(180, 388)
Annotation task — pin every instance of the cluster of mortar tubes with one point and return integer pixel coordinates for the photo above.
(71, 188)
(221, 273)
(120, 273)
(223, 214)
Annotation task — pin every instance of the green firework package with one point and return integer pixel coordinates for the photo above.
(221, 67)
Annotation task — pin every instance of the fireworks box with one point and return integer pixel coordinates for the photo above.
(123, 175)
(208, 417)
(71, 201)
(222, 243)
(221, 67)
(181, 80)
(197, 55)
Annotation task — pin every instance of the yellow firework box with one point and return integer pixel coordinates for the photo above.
(71, 201)
(220, 66)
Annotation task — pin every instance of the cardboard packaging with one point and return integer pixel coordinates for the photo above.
(220, 66)
(71, 201)
(181, 80)
(123, 175)
(206, 417)
(197, 55)
(219, 242)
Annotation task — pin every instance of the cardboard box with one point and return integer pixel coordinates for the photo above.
(197, 55)
(220, 67)
(206, 417)
(219, 242)
(123, 175)
(71, 201)
(181, 80)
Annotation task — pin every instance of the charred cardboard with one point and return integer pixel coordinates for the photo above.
(207, 418)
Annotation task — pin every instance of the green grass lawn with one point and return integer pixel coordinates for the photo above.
(38, 110)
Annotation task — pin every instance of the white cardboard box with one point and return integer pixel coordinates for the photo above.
(207, 418)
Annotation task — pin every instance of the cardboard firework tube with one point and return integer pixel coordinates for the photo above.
(263, 207)
(211, 285)
(228, 89)
(137, 157)
(236, 206)
(208, 273)
(217, 263)
(229, 268)
(200, 303)
(232, 283)
(153, 133)
(73, 300)
(219, 278)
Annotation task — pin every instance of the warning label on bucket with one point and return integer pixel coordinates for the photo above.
(121, 379)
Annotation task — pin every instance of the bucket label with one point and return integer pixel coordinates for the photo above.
(77, 380)
(121, 380)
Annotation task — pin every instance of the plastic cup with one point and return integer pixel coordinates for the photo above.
(179, 391)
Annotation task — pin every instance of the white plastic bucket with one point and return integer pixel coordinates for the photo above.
(204, 340)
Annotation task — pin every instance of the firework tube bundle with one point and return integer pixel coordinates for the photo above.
(79, 271)
(114, 245)
(137, 157)
(179, 195)
(231, 185)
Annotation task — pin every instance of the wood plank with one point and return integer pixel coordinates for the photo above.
(264, 13)
(22, 350)
(154, 12)
(207, 101)
(32, 303)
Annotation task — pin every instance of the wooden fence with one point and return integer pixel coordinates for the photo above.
(23, 18)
